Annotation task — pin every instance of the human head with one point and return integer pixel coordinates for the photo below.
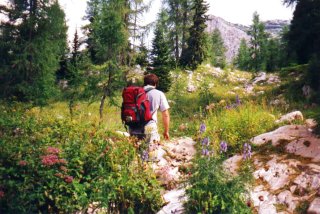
(151, 79)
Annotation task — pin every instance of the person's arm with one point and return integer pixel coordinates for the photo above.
(166, 124)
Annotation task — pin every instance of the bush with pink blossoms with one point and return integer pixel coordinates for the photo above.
(58, 166)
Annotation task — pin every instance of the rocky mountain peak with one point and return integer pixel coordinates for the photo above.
(233, 33)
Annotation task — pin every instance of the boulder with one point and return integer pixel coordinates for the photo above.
(314, 207)
(191, 88)
(261, 77)
(275, 173)
(283, 134)
(232, 164)
(311, 123)
(290, 117)
(288, 199)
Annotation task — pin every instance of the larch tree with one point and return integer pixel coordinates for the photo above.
(195, 52)
(32, 42)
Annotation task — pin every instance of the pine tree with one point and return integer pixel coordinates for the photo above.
(160, 56)
(242, 60)
(257, 43)
(217, 52)
(196, 45)
(304, 33)
(32, 43)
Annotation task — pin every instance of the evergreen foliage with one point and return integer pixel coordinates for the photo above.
(32, 42)
(304, 34)
(179, 21)
(196, 45)
(242, 60)
(257, 43)
(217, 52)
(160, 56)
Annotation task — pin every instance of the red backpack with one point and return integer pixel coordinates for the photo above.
(135, 110)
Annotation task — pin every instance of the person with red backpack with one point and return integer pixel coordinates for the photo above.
(140, 107)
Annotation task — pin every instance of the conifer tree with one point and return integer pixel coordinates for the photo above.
(196, 45)
(257, 43)
(32, 42)
(217, 52)
(242, 60)
(304, 33)
(160, 56)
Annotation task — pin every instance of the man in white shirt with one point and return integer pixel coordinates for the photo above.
(158, 101)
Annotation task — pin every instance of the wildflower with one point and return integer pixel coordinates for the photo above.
(247, 151)
(145, 155)
(205, 141)
(68, 179)
(22, 163)
(223, 146)
(202, 128)
(49, 160)
(238, 101)
(1, 194)
(59, 175)
(62, 161)
(63, 168)
(205, 152)
(52, 150)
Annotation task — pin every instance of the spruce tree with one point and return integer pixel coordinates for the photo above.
(196, 45)
(304, 33)
(160, 56)
(242, 60)
(32, 42)
(217, 52)
(257, 43)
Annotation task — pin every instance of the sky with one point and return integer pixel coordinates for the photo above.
(234, 11)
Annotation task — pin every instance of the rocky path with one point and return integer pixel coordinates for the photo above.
(170, 160)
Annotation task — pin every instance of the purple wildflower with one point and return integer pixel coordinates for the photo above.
(205, 152)
(223, 146)
(205, 141)
(145, 155)
(238, 102)
(247, 151)
(202, 128)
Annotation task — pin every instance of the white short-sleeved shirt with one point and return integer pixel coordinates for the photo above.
(157, 101)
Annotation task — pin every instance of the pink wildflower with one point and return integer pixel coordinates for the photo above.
(68, 179)
(63, 168)
(59, 175)
(1, 194)
(52, 150)
(62, 161)
(23, 163)
(49, 160)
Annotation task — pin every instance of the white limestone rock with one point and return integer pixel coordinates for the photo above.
(314, 207)
(311, 123)
(232, 164)
(290, 117)
(288, 199)
(284, 133)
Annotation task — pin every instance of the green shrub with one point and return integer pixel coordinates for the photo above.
(213, 191)
(51, 165)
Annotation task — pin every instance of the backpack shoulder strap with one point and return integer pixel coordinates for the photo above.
(149, 89)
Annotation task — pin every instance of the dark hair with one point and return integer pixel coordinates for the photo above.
(151, 79)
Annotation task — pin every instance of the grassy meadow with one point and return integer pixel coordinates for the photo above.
(52, 163)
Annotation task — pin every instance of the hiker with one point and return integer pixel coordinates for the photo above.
(156, 101)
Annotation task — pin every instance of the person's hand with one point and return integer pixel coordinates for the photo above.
(166, 135)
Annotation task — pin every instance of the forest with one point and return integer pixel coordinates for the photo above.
(63, 147)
